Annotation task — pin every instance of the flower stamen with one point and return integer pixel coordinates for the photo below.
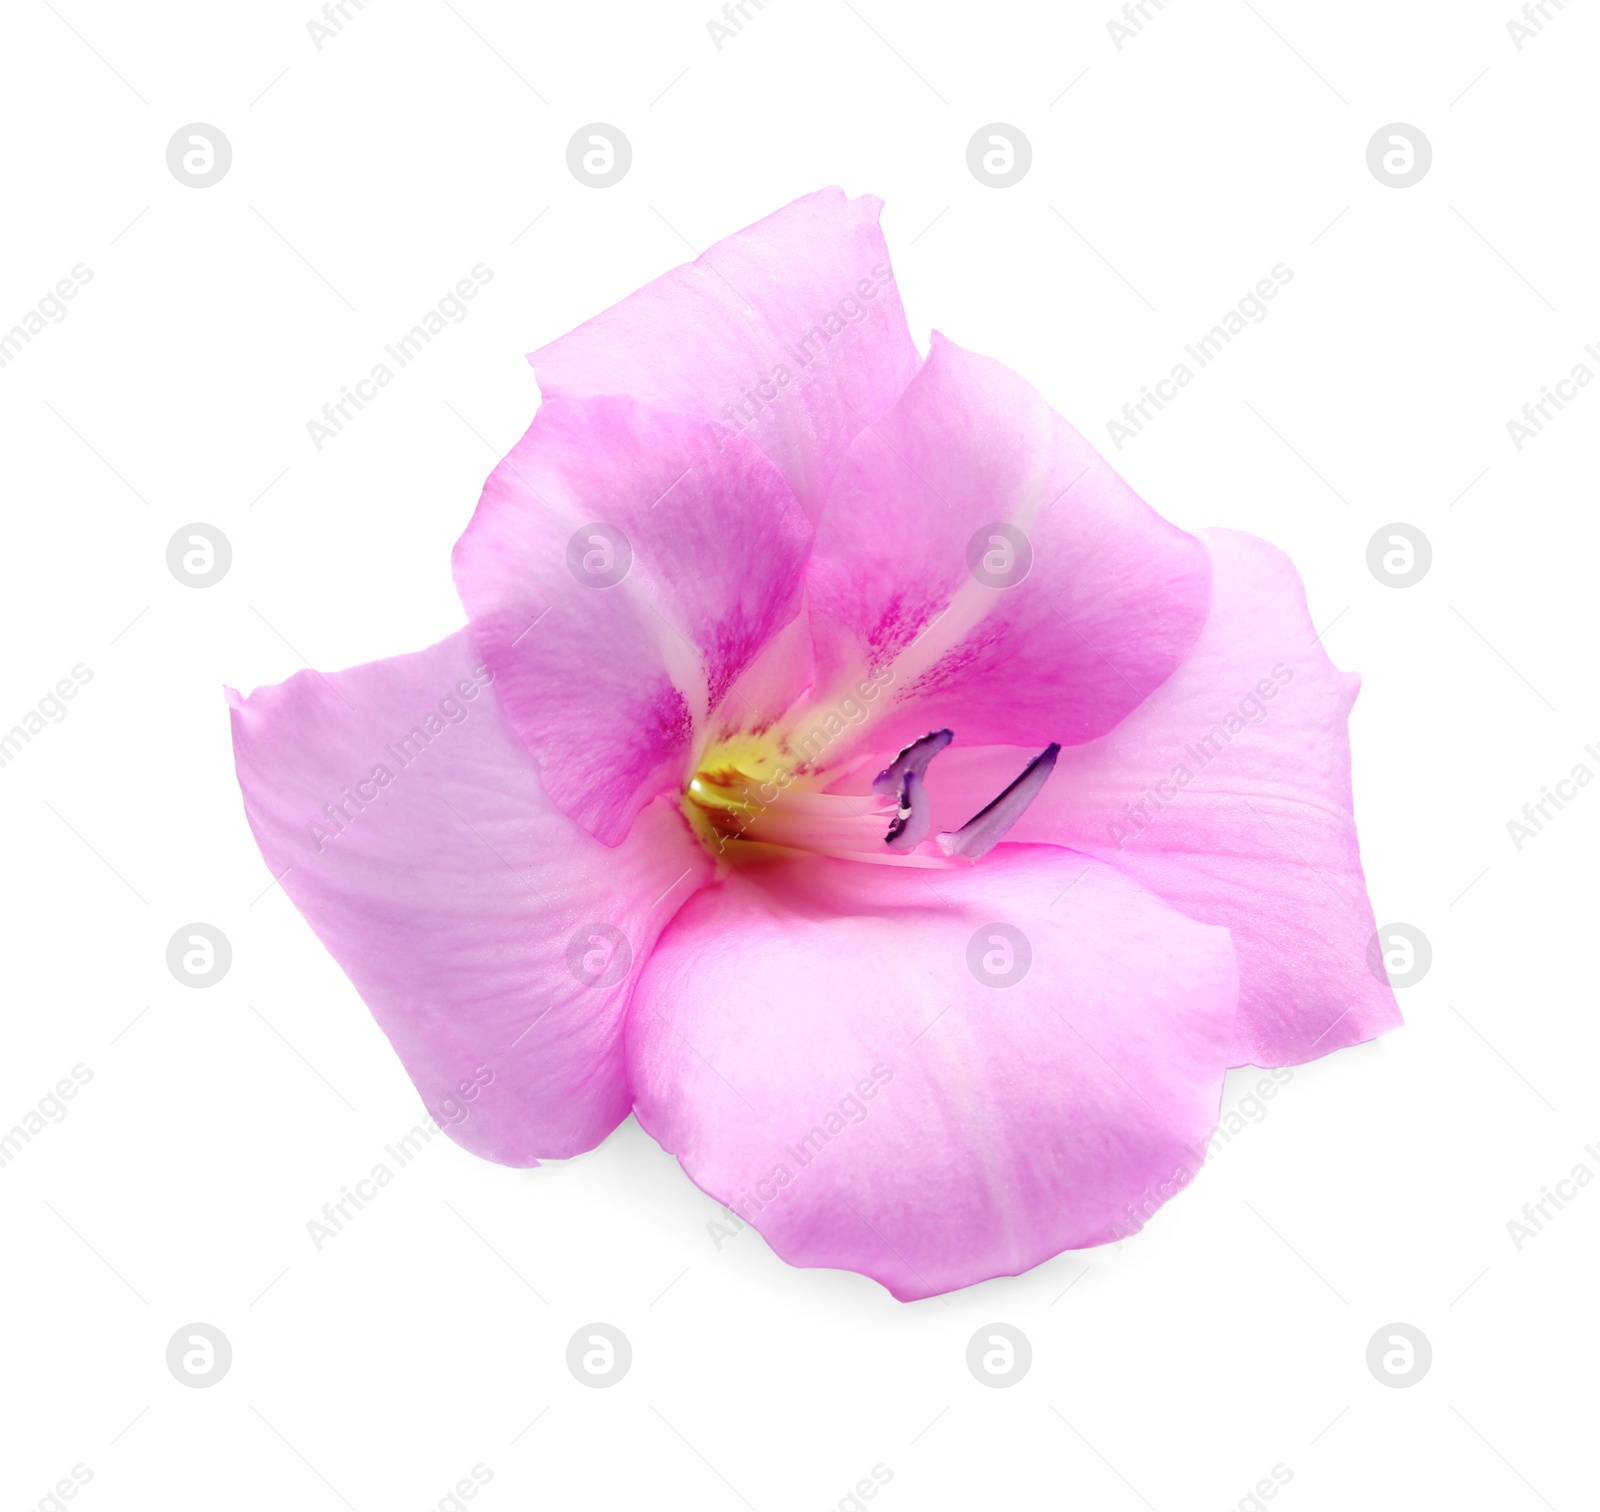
(985, 829)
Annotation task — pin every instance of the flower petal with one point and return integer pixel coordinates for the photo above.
(814, 1043)
(466, 911)
(621, 572)
(976, 543)
(790, 331)
(1228, 795)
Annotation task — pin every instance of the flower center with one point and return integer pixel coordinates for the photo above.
(751, 795)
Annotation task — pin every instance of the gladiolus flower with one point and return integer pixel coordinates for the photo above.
(846, 773)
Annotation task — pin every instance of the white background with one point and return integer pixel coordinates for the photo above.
(1167, 178)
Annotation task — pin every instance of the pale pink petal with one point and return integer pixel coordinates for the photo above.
(407, 824)
(1228, 795)
(621, 572)
(811, 1042)
(979, 546)
(790, 332)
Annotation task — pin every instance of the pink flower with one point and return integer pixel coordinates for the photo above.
(671, 826)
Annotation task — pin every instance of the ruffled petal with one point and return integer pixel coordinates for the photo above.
(976, 544)
(495, 942)
(621, 572)
(789, 332)
(934, 1078)
(1228, 794)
